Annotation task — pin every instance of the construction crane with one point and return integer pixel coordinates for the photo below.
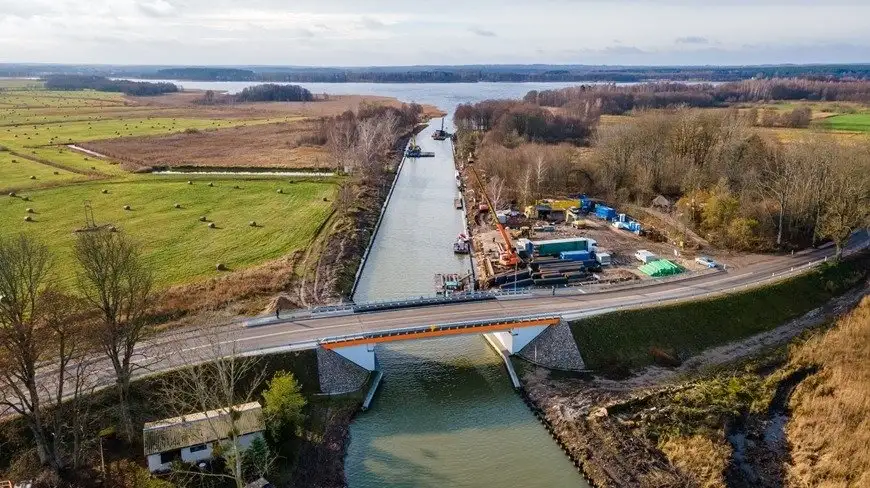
(509, 256)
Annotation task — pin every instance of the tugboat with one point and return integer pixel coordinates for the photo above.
(462, 245)
(415, 151)
(441, 134)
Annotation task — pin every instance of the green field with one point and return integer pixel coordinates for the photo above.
(36, 126)
(848, 122)
(620, 341)
(180, 247)
(16, 174)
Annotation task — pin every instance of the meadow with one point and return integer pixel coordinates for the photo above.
(859, 122)
(180, 247)
(54, 182)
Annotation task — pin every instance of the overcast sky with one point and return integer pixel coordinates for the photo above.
(394, 32)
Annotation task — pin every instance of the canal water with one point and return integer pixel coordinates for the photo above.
(446, 415)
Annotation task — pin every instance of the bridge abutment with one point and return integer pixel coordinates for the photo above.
(554, 348)
(339, 374)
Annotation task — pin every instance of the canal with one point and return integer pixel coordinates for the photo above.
(446, 414)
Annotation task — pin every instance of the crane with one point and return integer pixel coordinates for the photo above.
(509, 256)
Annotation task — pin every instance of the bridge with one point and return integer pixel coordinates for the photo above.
(354, 332)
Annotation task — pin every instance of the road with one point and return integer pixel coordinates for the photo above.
(184, 347)
(305, 332)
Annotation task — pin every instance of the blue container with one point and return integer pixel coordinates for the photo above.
(605, 212)
(574, 255)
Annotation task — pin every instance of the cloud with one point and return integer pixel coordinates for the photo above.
(692, 40)
(483, 32)
(156, 8)
(372, 23)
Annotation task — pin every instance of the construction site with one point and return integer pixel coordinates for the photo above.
(571, 240)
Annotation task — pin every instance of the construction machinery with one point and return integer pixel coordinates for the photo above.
(508, 256)
(440, 134)
(415, 151)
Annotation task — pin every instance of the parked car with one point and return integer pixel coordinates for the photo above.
(706, 261)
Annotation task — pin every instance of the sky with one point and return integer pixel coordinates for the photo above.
(394, 32)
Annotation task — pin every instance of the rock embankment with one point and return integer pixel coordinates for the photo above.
(337, 374)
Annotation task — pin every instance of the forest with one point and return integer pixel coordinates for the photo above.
(100, 83)
(274, 93)
(618, 99)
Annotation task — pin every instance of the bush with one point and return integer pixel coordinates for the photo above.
(283, 406)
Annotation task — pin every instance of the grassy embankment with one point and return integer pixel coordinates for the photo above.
(820, 386)
(35, 127)
(620, 341)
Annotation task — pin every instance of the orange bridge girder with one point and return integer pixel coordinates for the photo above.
(433, 331)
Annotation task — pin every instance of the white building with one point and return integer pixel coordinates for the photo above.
(191, 438)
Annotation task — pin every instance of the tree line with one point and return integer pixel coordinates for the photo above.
(100, 83)
(512, 122)
(614, 99)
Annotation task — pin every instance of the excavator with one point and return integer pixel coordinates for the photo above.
(509, 256)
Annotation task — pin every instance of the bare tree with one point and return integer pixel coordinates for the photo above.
(117, 282)
(495, 190)
(777, 180)
(215, 376)
(847, 208)
(40, 347)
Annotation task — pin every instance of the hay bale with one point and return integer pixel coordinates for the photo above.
(32, 177)
(203, 218)
(235, 187)
(252, 223)
(221, 267)
(210, 184)
(211, 225)
(105, 192)
(56, 173)
(126, 207)
(112, 228)
(177, 205)
(28, 219)
(12, 194)
(189, 182)
(280, 190)
(29, 210)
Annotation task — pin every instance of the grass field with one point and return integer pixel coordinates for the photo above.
(180, 247)
(16, 174)
(626, 340)
(848, 122)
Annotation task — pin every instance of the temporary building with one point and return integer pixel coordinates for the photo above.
(662, 267)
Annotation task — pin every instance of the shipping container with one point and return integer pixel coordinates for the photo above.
(603, 258)
(605, 212)
(645, 256)
(553, 247)
(574, 255)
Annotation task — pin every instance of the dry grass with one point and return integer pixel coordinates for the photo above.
(704, 458)
(279, 145)
(830, 427)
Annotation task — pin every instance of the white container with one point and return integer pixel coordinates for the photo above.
(645, 256)
(603, 258)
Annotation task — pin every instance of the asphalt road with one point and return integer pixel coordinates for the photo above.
(184, 347)
(570, 304)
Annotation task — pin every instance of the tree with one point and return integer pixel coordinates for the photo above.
(40, 347)
(118, 283)
(848, 207)
(284, 404)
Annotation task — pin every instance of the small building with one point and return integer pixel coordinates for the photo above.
(192, 438)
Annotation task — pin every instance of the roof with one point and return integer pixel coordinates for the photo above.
(200, 428)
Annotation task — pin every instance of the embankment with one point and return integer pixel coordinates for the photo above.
(718, 419)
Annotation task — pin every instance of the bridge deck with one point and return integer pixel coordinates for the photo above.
(435, 331)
